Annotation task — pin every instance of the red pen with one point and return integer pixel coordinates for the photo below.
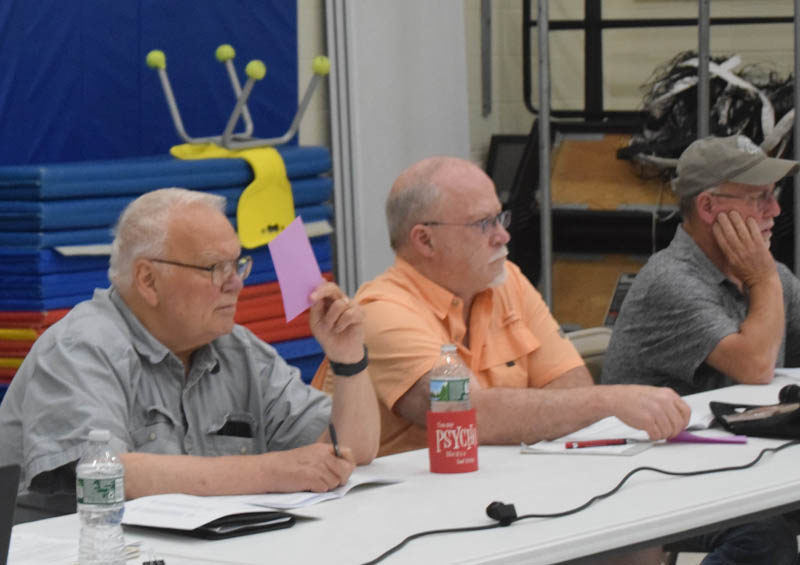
(595, 443)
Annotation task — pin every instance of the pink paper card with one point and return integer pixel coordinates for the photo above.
(297, 268)
(688, 437)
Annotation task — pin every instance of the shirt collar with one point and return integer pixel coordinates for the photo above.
(148, 346)
(141, 339)
(439, 298)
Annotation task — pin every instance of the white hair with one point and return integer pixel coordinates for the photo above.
(141, 230)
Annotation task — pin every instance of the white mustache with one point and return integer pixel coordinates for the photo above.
(501, 253)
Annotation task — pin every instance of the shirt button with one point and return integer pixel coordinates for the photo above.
(455, 302)
(152, 436)
(244, 450)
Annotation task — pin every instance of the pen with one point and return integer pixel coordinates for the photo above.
(595, 443)
(332, 432)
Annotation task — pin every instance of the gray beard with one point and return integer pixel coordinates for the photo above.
(500, 278)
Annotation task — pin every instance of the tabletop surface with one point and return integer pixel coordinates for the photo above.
(371, 519)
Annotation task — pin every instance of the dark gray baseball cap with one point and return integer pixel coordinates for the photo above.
(711, 161)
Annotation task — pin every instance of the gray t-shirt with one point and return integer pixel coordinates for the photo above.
(100, 368)
(678, 309)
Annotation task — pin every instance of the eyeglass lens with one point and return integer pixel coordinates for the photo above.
(224, 269)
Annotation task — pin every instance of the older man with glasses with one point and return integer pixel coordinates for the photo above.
(714, 308)
(195, 403)
(451, 283)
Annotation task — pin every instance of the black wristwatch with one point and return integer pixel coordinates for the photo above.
(349, 369)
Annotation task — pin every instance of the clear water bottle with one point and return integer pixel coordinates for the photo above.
(101, 503)
(449, 382)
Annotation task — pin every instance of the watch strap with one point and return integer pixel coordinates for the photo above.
(349, 369)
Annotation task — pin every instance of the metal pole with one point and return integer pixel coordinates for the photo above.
(795, 136)
(486, 57)
(702, 69)
(546, 283)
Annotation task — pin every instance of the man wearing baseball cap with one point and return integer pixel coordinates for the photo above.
(714, 308)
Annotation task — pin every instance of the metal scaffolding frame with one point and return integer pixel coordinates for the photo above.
(593, 100)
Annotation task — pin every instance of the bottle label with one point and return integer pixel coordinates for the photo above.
(453, 441)
(100, 491)
(449, 390)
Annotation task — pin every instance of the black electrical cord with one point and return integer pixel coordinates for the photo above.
(506, 515)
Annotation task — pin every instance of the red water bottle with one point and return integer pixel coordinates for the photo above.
(452, 428)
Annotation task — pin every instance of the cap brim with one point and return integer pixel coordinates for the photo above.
(768, 171)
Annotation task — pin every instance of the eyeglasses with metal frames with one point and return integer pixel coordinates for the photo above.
(763, 199)
(503, 219)
(221, 271)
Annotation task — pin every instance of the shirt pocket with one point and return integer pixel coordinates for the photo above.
(504, 358)
(233, 434)
(511, 374)
(157, 433)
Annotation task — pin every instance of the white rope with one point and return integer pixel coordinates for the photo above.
(767, 111)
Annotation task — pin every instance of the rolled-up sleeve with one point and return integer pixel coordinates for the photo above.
(70, 389)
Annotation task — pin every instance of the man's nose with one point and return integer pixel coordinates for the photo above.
(501, 236)
(773, 208)
(233, 283)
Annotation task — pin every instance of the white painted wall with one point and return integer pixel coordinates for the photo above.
(399, 86)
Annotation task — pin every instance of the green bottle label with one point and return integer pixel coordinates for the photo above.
(449, 390)
(100, 491)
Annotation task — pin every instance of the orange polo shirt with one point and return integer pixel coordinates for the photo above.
(514, 341)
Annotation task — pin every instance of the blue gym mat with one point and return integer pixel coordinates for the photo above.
(86, 236)
(24, 260)
(81, 213)
(64, 290)
(33, 261)
(136, 175)
(305, 353)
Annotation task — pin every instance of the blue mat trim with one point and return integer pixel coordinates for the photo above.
(81, 213)
(54, 238)
(136, 175)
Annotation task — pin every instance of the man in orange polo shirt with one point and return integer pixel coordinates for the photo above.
(451, 283)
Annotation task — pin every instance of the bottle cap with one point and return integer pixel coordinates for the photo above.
(449, 348)
(99, 435)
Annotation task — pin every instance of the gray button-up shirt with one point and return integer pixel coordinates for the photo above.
(100, 368)
(678, 309)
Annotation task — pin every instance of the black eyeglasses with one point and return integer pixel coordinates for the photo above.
(503, 219)
(220, 272)
(762, 200)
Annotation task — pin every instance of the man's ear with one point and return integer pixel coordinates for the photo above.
(704, 208)
(145, 281)
(421, 239)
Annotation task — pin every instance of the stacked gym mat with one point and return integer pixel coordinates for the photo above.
(54, 217)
